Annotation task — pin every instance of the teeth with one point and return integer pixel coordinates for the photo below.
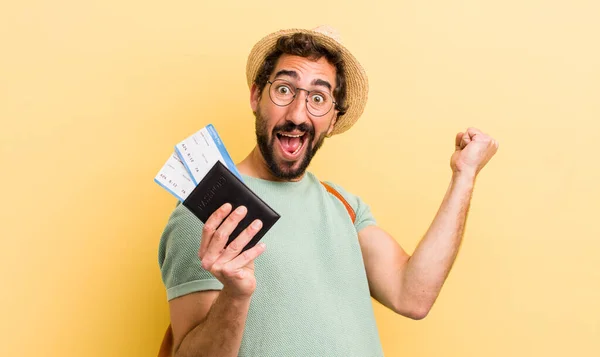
(294, 136)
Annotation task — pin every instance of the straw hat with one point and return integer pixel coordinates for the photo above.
(357, 85)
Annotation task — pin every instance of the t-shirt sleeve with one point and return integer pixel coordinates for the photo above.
(364, 217)
(178, 258)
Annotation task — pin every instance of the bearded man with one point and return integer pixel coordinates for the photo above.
(306, 288)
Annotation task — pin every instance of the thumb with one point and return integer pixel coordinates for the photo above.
(462, 140)
(466, 139)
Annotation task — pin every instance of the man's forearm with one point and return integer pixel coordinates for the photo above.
(432, 260)
(220, 334)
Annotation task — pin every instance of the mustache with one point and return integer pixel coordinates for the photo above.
(290, 126)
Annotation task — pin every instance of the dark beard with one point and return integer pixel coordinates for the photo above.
(284, 170)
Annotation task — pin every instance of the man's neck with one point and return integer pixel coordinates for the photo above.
(254, 165)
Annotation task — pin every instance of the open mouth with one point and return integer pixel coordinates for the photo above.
(291, 143)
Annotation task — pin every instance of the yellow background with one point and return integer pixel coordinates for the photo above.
(94, 94)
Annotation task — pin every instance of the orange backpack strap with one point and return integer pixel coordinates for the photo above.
(334, 192)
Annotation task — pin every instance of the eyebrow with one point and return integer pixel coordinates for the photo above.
(320, 82)
(294, 75)
(285, 72)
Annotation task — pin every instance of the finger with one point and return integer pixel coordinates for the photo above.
(473, 131)
(458, 139)
(210, 227)
(235, 247)
(246, 257)
(221, 236)
(465, 141)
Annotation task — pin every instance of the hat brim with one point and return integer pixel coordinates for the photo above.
(357, 84)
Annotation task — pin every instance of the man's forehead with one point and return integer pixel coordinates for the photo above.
(305, 69)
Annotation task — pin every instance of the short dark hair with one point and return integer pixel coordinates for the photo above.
(305, 45)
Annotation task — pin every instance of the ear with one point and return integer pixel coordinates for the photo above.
(254, 97)
(332, 124)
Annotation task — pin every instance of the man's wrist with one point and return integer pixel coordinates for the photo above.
(464, 178)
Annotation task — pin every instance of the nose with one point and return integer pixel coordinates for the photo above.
(297, 111)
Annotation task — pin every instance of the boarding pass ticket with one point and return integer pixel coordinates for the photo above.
(191, 161)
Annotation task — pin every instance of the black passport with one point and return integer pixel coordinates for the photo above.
(221, 186)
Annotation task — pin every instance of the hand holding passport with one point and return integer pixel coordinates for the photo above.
(203, 177)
